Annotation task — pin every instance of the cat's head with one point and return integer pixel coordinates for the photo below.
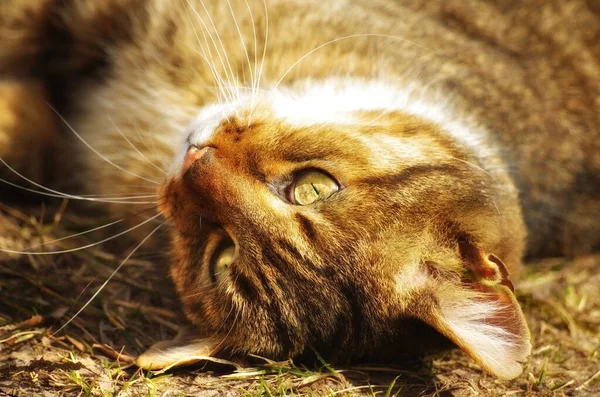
(318, 223)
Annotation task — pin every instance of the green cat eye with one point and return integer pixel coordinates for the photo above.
(223, 260)
(312, 186)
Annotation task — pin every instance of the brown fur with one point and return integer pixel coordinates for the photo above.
(525, 74)
(344, 254)
(27, 129)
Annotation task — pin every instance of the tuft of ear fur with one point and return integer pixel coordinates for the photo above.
(489, 326)
(185, 349)
(478, 312)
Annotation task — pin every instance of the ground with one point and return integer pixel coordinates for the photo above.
(92, 355)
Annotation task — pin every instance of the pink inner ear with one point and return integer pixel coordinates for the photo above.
(489, 268)
(504, 272)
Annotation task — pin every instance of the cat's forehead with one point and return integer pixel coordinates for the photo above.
(311, 103)
(307, 105)
(205, 125)
(367, 124)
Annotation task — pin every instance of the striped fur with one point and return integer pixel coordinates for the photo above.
(452, 127)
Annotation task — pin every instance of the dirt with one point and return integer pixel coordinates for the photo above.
(92, 355)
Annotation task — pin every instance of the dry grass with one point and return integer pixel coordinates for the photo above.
(92, 356)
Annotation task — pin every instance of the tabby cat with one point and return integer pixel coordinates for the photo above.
(356, 177)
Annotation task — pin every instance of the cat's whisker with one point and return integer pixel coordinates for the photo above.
(142, 155)
(379, 116)
(219, 82)
(235, 78)
(264, 54)
(110, 277)
(228, 69)
(237, 315)
(478, 168)
(87, 231)
(99, 200)
(472, 165)
(59, 194)
(76, 234)
(254, 79)
(84, 246)
(208, 57)
(217, 79)
(85, 288)
(200, 290)
(97, 152)
(237, 26)
(152, 139)
(353, 36)
(110, 196)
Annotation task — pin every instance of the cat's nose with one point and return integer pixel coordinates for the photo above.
(192, 155)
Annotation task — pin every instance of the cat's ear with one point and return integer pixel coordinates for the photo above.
(187, 348)
(478, 311)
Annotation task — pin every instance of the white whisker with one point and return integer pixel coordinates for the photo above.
(56, 193)
(234, 78)
(229, 74)
(218, 80)
(76, 234)
(109, 196)
(379, 116)
(85, 246)
(142, 155)
(255, 78)
(109, 278)
(264, 54)
(216, 348)
(208, 57)
(237, 26)
(98, 153)
(340, 39)
(472, 165)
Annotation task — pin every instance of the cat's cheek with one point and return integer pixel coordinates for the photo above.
(166, 193)
(180, 206)
(196, 295)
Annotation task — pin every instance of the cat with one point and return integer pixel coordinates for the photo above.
(358, 177)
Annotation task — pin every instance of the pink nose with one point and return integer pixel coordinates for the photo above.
(192, 154)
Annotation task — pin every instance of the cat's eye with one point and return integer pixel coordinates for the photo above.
(312, 186)
(222, 260)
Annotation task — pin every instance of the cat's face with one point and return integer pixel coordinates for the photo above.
(296, 232)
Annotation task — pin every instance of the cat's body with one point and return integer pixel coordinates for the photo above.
(456, 119)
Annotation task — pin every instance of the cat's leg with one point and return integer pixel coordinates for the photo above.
(27, 134)
(27, 131)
